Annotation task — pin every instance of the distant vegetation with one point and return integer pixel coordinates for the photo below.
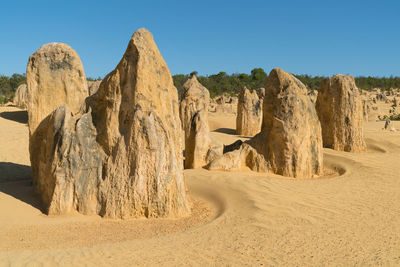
(93, 79)
(221, 83)
(8, 85)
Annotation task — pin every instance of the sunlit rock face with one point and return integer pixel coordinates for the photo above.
(122, 155)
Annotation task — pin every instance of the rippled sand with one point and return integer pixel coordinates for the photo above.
(350, 217)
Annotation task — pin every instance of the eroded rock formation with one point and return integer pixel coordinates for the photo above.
(290, 141)
(389, 126)
(200, 147)
(366, 110)
(93, 86)
(340, 112)
(54, 77)
(249, 113)
(122, 156)
(21, 98)
(313, 95)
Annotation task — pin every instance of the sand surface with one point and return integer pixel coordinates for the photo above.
(239, 218)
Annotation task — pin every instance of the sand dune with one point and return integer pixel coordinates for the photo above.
(239, 218)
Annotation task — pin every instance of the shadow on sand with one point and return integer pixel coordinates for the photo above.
(231, 132)
(225, 131)
(20, 116)
(15, 180)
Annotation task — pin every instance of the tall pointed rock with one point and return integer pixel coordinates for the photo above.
(123, 157)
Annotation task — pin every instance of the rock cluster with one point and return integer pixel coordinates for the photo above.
(54, 77)
(122, 155)
(382, 97)
(21, 96)
(224, 104)
(249, 113)
(290, 141)
(200, 147)
(340, 112)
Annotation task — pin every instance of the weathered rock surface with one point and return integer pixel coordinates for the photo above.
(234, 100)
(313, 95)
(290, 141)
(122, 157)
(20, 98)
(340, 112)
(54, 77)
(389, 125)
(249, 113)
(200, 147)
(93, 86)
(261, 93)
(195, 97)
(366, 110)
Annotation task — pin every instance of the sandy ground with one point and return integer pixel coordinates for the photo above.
(239, 218)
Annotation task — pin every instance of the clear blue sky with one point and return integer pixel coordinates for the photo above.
(313, 37)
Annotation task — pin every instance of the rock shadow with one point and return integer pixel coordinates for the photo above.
(225, 131)
(20, 116)
(230, 131)
(15, 181)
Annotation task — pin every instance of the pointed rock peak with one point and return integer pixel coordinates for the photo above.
(143, 41)
(192, 82)
(193, 87)
(245, 90)
(281, 81)
(142, 76)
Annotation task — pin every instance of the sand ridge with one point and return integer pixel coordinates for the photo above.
(350, 219)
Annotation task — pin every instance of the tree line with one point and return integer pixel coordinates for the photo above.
(221, 83)
(8, 85)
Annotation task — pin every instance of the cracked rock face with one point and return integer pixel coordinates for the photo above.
(340, 110)
(122, 157)
(249, 113)
(54, 77)
(200, 147)
(290, 141)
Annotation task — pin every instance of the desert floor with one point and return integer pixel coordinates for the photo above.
(239, 218)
